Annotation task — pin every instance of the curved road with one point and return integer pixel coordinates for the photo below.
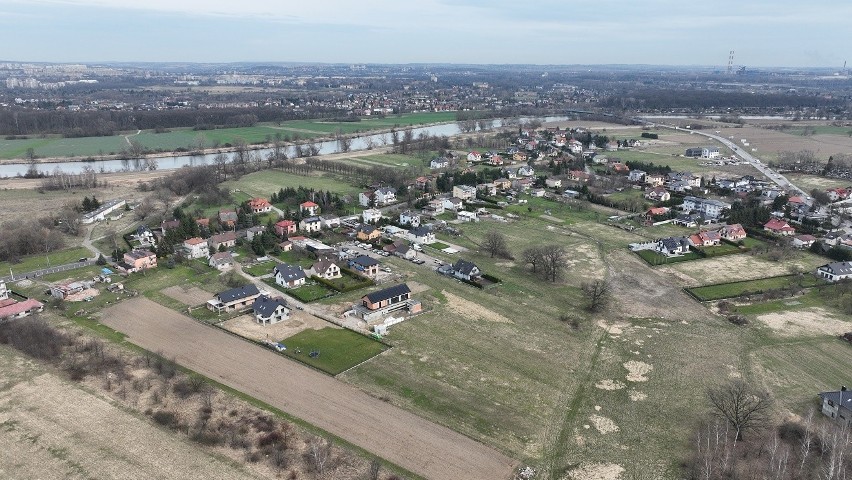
(772, 175)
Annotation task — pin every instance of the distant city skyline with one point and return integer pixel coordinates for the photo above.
(779, 33)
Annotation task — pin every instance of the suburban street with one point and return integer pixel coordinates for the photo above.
(771, 174)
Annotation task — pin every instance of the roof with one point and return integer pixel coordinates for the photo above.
(289, 272)
(18, 307)
(223, 237)
(266, 306)
(308, 204)
(838, 268)
(323, 265)
(464, 267)
(221, 258)
(805, 238)
(139, 253)
(311, 219)
(245, 291)
(194, 241)
(258, 202)
(388, 293)
(776, 224)
(365, 261)
(285, 223)
(840, 397)
(368, 229)
(420, 231)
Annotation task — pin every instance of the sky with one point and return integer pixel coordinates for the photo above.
(776, 33)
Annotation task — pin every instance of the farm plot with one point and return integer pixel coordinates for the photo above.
(246, 326)
(810, 182)
(332, 350)
(50, 428)
(264, 183)
(738, 289)
(732, 268)
(387, 431)
(191, 296)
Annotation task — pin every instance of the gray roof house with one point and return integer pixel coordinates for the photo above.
(269, 310)
(837, 405)
(466, 270)
(836, 271)
(239, 298)
(289, 276)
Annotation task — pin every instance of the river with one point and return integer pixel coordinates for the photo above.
(171, 163)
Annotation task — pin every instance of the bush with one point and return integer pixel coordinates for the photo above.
(35, 337)
(165, 418)
(738, 320)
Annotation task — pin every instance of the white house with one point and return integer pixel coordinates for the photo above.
(385, 196)
(421, 235)
(553, 183)
(836, 271)
(196, 248)
(706, 207)
(100, 214)
(310, 224)
(366, 198)
(221, 261)
(289, 276)
(330, 221)
(526, 171)
(453, 203)
(474, 157)
(270, 310)
(636, 176)
(326, 269)
(409, 218)
(464, 192)
(4, 292)
(439, 162)
(466, 216)
(371, 215)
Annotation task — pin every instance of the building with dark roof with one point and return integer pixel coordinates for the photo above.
(388, 296)
(836, 271)
(268, 310)
(368, 266)
(837, 405)
(235, 299)
(466, 270)
(290, 276)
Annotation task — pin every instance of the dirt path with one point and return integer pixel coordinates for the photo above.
(396, 435)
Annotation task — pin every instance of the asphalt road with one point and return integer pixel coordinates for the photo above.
(772, 175)
(47, 271)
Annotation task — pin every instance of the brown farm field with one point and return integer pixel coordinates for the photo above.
(50, 428)
(398, 436)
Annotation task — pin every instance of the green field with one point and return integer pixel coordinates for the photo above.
(750, 287)
(37, 262)
(262, 184)
(260, 269)
(56, 146)
(339, 349)
(306, 293)
(810, 182)
(654, 258)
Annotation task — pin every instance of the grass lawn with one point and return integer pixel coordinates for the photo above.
(264, 183)
(438, 245)
(37, 262)
(748, 287)
(810, 182)
(339, 349)
(654, 258)
(350, 281)
(260, 269)
(306, 293)
(722, 249)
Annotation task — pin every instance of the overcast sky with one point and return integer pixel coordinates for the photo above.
(813, 33)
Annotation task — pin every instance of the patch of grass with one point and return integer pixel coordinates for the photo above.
(306, 293)
(438, 245)
(339, 349)
(260, 269)
(38, 262)
(747, 287)
(653, 258)
(262, 184)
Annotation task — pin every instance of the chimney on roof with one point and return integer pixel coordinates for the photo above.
(843, 388)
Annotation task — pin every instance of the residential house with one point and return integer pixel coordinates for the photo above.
(579, 176)
(259, 205)
(502, 184)
(330, 221)
(779, 227)
(285, 228)
(268, 310)
(167, 225)
(519, 157)
(309, 208)
(421, 183)
(434, 208)
(673, 246)
(523, 183)
(386, 297)
(371, 215)
(568, 193)
(438, 163)
(833, 238)
(64, 290)
(196, 247)
(488, 189)
(705, 239)
(688, 220)
(495, 160)
(655, 179)
(235, 299)
(538, 192)
(836, 271)
(227, 240)
(4, 292)
(368, 266)
(385, 196)
(202, 222)
(619, 167)
(255, 231)
(474, 157)
(409, 218)
(453, 203)
(553, 183)
(835, 194)
(733, 232)
(803, 241)
(221, 260)
(310, 224)
(658, 194)
(421, 235)
(465, 216)
(526, 171)
(401, 249)
(367, 233)
(289, 276)
(837, 405)
(708, 208)
(365, 199)
(466, 270)
(464, 192)
(140, 259)
(636, 176)
(286, 246)
(685, 177)
(655, 212)
(392, 231)
(326, 269)
(101, 212)
(228, 218)
(10, 308)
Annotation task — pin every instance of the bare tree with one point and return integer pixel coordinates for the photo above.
(741, 405)
(319, 453)
(553, 261)
(344, 143)
(533, 257)
(598, 293)
(495, 244)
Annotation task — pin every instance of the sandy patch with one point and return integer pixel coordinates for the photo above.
(614, 329)
(597, 471)
(416, 287)
(608, 384)
(471, 310)
(637, 396)
(637, 370)
(246, 326)
(191, 296)
(811, 321)
(733, 373)
(80, 296)
(603, 424)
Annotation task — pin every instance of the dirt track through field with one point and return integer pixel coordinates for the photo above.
(425, 448)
